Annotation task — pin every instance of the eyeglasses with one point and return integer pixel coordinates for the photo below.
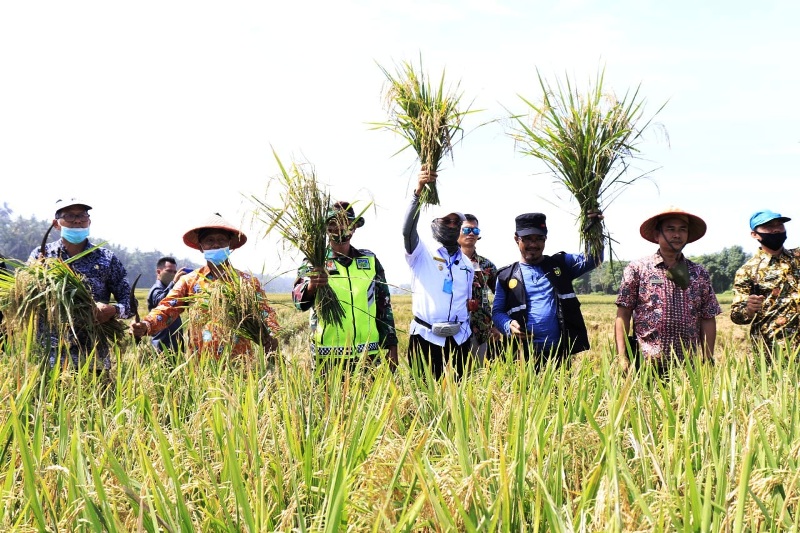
(74, 217)
(474, 231)
(450, 221)
(531, 239)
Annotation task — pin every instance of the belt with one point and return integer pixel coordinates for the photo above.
(420, 321)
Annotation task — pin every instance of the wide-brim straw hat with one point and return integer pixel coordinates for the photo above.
(697, 226)
(192, 239)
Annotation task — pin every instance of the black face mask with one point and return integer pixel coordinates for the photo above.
(445, 235)
(773, 241)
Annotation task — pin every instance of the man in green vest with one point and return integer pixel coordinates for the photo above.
(359, 281)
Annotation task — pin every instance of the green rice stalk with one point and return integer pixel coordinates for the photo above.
(428, 118)
(588, 142)
(302, 220)
(50, 291)
(234, 303)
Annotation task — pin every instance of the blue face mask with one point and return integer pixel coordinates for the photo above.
(74, 235)
(217, 256)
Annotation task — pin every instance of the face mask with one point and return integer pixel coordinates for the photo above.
(166, 278)
(74, 235)
(218, 256)
(340, 238)
(446, 235)
(773, 241)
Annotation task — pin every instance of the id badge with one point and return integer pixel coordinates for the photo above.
(447, 288)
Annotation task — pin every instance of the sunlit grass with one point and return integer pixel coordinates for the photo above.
(196, 444)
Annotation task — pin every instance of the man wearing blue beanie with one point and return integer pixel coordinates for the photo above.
(766, 292)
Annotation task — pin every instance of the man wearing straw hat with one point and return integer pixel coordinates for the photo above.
(765, 292)
(100, 269)
(359, 282)
(216, 239)
(670, 298)
(441, 286)
(535, 304)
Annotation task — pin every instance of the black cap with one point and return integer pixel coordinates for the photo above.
(531, 224)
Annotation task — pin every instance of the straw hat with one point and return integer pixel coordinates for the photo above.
(192, 239)
(697, 227)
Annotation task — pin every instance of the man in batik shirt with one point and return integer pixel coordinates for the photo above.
(766, 290)
(480, 318)
(101, 271)
(669, 297)
(216, 239)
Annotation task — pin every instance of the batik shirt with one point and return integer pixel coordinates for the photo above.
(483, 283)
(778, 279)
(666, 318)
(102, 272)
(384, 316)
(205, 334)
(105, 276)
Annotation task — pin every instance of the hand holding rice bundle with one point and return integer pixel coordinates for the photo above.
(587, 142)
(427, 118)
(302, 221)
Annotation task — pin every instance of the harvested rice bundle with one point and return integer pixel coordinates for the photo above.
(233, 305)
(588, 142)
(301, 222)
(51, 294)
(427, 118)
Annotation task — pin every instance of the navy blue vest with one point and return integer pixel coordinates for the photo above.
(574, 338)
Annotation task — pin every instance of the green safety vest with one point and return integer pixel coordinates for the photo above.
(355, 289)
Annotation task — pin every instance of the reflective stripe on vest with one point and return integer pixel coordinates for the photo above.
(343, 351)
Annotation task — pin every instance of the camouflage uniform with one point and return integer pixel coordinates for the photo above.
(480, 319)
(777, 278)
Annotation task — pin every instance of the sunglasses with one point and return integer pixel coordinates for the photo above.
(474, 231)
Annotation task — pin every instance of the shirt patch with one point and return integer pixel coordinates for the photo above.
(655, 280)
(512, 283)
(362, 263)
(557, 271)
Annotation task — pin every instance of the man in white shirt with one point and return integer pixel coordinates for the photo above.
(441, 286)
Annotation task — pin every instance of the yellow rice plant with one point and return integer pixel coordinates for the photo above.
(588, 142)
(427, 117)
(54, 296)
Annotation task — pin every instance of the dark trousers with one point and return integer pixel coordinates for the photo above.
(422, 353)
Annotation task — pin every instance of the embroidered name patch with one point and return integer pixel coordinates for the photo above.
(362, 263)
(655, 280)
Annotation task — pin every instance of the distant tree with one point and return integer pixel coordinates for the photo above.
(722, 266)
(19, 236)
(603, 279)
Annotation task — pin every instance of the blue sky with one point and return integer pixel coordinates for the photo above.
(162, 112)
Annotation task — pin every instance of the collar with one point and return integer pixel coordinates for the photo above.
(658, 259)
(761, 254)
(62, 248)
(449, 260)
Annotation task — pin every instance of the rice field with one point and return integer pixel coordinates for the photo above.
(183, 444)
